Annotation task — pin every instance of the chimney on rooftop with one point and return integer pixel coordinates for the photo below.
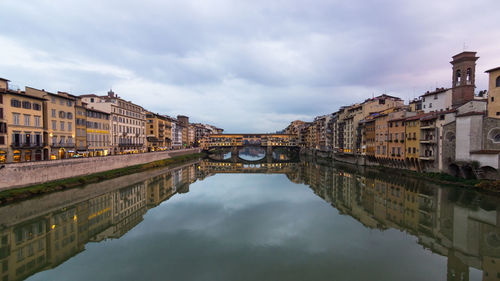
(111, 94)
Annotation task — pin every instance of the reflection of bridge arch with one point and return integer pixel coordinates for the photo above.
(281, 155)
(214, 167)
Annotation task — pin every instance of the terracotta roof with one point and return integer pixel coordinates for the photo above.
(89, 96)
(485, 151)
(21, 94)
(472, 113)
(437, 91)
(493, 69)
(3, 79)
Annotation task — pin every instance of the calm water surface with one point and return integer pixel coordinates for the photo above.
(274, 221)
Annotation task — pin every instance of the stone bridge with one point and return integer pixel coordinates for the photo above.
(219, 144)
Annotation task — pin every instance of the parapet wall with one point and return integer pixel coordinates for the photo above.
(29, 173)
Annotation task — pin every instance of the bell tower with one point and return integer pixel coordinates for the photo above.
(464, 76)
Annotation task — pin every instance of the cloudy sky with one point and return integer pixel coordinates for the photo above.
(245, 66)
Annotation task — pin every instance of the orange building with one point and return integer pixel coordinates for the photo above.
(396, 145)
(381, 135)
(369, 137)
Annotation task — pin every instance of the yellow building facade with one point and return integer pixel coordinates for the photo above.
(98, 133)
(494, 93)
(59, 123)
(156, 132)
(24, 118)
(412, 143)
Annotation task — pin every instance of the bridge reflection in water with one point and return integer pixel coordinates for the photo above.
(40, 234)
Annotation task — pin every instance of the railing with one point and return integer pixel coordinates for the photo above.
(62, 145)
(24, 145)
(130, 144)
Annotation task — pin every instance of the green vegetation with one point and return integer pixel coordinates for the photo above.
(441, 178)
(22, 193)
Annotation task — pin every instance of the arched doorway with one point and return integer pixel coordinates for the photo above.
(16, 156)
(3, 156)
(27, 155)
(62, 153)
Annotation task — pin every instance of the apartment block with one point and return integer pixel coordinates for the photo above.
(128, 122)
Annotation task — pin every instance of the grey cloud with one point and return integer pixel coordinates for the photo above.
(248, 61)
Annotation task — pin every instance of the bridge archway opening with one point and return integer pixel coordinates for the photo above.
(252, 153)
(220, 154)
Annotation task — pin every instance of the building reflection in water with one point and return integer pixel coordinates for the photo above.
(462, 225)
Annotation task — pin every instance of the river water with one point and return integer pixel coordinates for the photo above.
(213, 220)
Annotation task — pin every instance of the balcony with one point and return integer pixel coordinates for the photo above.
(27, 145)
(427, 158)
(63, 145)
(428, 140)
(428, 127)
(130, 144)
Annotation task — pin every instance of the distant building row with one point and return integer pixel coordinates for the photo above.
(450, 129)
(38, 125)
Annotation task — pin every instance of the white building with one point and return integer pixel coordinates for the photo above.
(128, 122)
(438, 100)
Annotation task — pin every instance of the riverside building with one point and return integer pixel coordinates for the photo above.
(128, 122)
(98, 132)
(23, 124)
(81, 128)
(59, 112)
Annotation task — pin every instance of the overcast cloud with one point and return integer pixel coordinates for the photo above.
(245, 66)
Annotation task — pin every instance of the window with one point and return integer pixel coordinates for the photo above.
(91, 99)
(70, 126)
(1, 113)
(54, 125)
(53, 113)
(458, 77)
(16, 118)
(497, 83)
(37, 106)
(436, 97)
(53, 99)
(62, 125)
(27, 119)
(69, 115)
(15, 103)
(62, 114)
(498, 113)
(26, 105)
(69, 103)
(430, 105)
(469, 76)
(493, 98)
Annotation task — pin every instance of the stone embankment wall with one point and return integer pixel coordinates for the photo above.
(30, 209)
(29, 173)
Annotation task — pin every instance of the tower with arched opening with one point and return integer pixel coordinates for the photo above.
(464, 74)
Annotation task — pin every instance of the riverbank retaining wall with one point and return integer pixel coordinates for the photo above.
(29, 173)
